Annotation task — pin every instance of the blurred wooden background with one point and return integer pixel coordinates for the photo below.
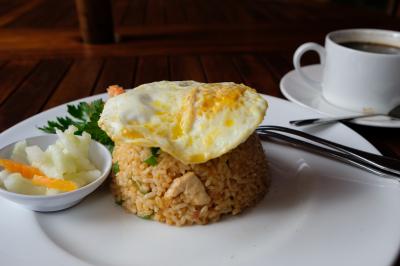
(49, 28)
(43, 62)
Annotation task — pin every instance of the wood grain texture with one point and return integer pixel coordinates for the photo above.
(234, 12)
(255, 74)
(12, 74)
(77, 83)
(33, 93)
(173, 39)
(220, 68)
(119, 9)
(151, 68)
(155, 12)
(279, 64)
(44, 14)
(175, 12)
(12, 10)
(135, 13)
(207, 13)
(116, 71)
(186, 68)
(69, 17)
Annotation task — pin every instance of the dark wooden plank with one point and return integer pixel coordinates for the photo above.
(66, 43)
(192, 13)
(282, 12)
(308, 58)
(12, 10)
(135, 13)
(174, 39)
(219, 68)
(119, 10)
(7, 6)
(202, 12)
(116, 71)
(33, 93)
(234, 11)
(174, 12)
(260, 14)
(295, 11)
(257, 75)
(278, 64)
(151, 68)
(186, 68)
(155, 12)
(12, 74)
(386, 140)
(77, 83)
(44, 15)
(68, 17)
(210, 12)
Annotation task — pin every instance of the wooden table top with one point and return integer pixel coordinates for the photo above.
(43, 63)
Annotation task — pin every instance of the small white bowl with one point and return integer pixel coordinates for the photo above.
(98, 155)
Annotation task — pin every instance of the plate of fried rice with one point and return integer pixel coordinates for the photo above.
(258, 203)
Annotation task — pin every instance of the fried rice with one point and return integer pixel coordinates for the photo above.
(228, 184)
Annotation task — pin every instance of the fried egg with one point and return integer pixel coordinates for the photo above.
(194, 122)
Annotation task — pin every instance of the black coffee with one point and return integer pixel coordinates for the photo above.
(371, 47)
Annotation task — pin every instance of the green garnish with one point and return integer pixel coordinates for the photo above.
(152, 160)
(115, 168)
(119, 202)
(147, 217)
(155, 151)
(85, 117)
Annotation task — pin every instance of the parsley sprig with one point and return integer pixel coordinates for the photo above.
(152, 160)
(147, 217)
(115, 168)
(84, 116)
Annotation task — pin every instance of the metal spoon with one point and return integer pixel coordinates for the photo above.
(380, 165)
(393, 114)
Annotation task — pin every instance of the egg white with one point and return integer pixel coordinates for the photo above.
(192, 121)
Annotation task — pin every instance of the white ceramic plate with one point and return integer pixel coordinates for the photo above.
(297, 91)
(318, 212)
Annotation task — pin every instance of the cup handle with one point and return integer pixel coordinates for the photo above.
(309, 46)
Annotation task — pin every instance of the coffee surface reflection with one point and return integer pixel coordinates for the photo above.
(371, 47)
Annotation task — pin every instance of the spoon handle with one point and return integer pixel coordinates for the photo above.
(326, 120)
(377, 164)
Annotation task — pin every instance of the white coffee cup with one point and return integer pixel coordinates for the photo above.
(353, 79)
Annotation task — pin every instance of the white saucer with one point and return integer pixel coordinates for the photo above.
(297, 91)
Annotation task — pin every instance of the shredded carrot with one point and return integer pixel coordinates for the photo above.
(60, 184)
(25, 170)
(38, 177)
(115, 90)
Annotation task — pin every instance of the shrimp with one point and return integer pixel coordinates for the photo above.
(115, 90)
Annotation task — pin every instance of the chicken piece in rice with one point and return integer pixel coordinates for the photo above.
(186, 151)
(185, 194)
